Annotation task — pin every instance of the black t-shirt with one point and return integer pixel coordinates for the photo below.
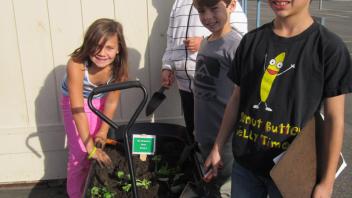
(283, 82)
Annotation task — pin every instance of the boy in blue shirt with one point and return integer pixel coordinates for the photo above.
(283, 72)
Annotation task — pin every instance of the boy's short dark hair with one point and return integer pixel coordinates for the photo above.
(208, 3)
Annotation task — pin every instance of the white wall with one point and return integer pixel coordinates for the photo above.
(36, 38)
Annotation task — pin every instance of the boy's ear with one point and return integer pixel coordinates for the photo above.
(232, 5)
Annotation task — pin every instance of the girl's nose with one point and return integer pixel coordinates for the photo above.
(101, 52)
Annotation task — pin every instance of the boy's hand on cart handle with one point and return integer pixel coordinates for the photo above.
(209, 175)
(212, 164)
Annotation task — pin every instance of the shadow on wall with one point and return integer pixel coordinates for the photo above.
(157, 39)
(155, 47)
(130, 98)
(51, 138)
(134, 60)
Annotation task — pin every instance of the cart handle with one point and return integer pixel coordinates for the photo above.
(114, 87)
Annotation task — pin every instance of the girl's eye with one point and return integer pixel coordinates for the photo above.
(279, 65)
(110, 48)
(272, 62)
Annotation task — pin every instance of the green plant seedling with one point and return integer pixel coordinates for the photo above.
(109, 195)
(145, 183)
(120, 174)
(106, 193)
(157, 160)
(127, 187)
(164, 170)
(95, 191)
(103, 192)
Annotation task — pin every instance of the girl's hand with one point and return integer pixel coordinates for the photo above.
(102, 158)
(100, 141)
(212, 164)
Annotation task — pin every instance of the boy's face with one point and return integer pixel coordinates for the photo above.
(287, 8)
(216, 17)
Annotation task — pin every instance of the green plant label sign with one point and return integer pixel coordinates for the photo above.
(143, 144)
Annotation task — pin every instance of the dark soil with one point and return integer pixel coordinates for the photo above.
(168, 149)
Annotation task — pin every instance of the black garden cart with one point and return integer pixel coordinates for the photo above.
(175, 166)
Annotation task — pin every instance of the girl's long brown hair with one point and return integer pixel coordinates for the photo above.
(102, 29)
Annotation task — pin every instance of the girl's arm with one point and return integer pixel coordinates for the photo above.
(75, 75)
(228, 121)
(111, 103)
(332, 139)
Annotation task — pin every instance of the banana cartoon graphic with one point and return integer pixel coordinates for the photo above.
(270, 74)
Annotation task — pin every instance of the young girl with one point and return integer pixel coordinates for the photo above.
(101, 59)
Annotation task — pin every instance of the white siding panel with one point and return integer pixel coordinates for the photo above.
(24, 167)
(12, 101)
(133, 15)
(93, 10)
(37, 61)
(158, 16)
(53, 139)
(66, 35)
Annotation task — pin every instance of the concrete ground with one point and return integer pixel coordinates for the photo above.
(338, 18)
(45, 189)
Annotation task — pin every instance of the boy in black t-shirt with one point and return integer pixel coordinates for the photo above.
(283, 72)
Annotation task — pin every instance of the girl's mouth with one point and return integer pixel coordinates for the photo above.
(100, 59)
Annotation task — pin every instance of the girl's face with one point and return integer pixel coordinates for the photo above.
(287, 8)
(107, 54)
